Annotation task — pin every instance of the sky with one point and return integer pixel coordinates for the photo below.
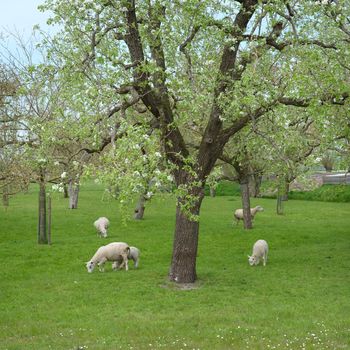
(21, 15)
(17, 18)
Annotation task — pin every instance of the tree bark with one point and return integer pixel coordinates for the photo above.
(73, 190)
(185, 244)
(280, 206)
(183, 264)
(140, 208)
(42, 234)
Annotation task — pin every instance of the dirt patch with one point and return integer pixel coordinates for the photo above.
(181, 286)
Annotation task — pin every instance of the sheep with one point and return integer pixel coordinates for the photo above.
(111, 252)
(260, 250)
(238, 215)
(101, 225)
(134, 255)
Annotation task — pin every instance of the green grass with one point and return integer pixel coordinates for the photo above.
(299, 300)
(325, 193)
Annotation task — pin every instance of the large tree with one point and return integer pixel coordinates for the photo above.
(203, 70)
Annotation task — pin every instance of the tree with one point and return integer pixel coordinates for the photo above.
(203, 69)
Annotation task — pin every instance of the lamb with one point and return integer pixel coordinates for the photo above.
(260, 250)
(238, 215)
(101, 225)
(134, 255)
(111, 252)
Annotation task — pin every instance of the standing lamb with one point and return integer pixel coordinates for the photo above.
(111, 252)
(238, 215)
(134, 255)
(101, 225)
(260, 250)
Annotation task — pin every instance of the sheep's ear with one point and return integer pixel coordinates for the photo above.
(248, 256)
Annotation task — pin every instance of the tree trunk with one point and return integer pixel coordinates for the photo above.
(282, 195)
(247, 218)
(73, 190)
(183, 264)
(254, 185)
(42, 236)
(65, 191)
(5, 196)
(185, 244)
(140, 208)
(49, 219)
(280, 206)
(285, 190)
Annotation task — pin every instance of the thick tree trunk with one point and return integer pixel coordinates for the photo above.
(140, 208)
(183, 264)
(73, 190)
(247, 218)
(185, 244)
(42, 236)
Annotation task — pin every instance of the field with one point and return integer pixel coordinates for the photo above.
(300, 300)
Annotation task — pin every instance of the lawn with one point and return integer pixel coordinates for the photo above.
(300, 300)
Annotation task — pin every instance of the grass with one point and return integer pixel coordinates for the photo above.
(300, 300)
(326, 193)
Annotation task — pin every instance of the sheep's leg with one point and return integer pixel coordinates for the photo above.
(101, 264)
(136, 263)
(115, 265)
(125, 262)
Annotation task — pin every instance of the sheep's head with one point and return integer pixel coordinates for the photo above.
(259, 208)
(103, 232)
(253, 260)
(90, 265)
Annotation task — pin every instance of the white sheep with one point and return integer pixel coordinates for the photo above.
(238, 215)
(260, 251)
(101, 225)
(134, 254)
(111, 252)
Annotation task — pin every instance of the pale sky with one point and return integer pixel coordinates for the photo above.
(21, 15)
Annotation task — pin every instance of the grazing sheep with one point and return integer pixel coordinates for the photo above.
(238, 215)
(101, 225)
(260, 250)
(134, 254)
(111, 252)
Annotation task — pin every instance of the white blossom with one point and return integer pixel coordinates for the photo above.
(64, 175)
